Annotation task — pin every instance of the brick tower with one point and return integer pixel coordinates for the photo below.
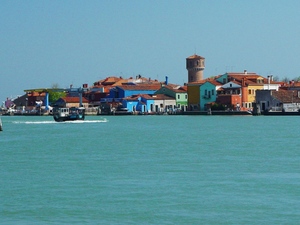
(195, 66)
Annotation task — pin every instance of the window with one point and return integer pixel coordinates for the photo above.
(249, 91)
(178, 96)
(205, 92)
(185, 96)
(212, 92)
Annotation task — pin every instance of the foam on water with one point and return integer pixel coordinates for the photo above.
(53, 122)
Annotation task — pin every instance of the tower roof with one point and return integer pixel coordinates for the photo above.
(195, 57)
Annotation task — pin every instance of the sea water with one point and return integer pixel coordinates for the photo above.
(150, 170)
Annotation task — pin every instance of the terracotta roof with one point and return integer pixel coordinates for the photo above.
(107, 81)
(133, 97)
(241, 73)
(236, 82)
(146, 96)
(200, 82)
(146, 80)
(184, 88)
(176, 89)
(286, 96)
(245, 76)
(74, 99)
(211, 80)
(161, 97)
(149, 97)
(291, 84)
(195, 57)
(214, 82)
(141, 87)
(121, 82)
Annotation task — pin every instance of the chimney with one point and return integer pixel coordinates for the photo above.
(243, 82)
(245, 72)
(166, 80)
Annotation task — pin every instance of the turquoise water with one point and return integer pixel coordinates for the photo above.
(150, 170)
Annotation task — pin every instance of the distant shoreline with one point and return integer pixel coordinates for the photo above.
(187, 113)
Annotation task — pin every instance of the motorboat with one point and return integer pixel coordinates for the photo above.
(68, 114)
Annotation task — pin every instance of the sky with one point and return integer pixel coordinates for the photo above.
(63, 42)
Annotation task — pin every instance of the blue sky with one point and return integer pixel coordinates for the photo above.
(74, 42)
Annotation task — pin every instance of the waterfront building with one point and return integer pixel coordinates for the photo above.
(202, 93)
(134, 104)
(179, 93)
(67, 102)
(278, 101)
(229, 95)
(124, 91)
(249, 83)
(193, 90)
(208, 93)
(148, 104)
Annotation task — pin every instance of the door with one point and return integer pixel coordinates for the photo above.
(263, 106)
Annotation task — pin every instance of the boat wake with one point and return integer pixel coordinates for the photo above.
(33, 122)
(53, 122)
(85, 121)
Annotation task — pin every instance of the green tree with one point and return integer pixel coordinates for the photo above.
(217, 106)
(55, 93)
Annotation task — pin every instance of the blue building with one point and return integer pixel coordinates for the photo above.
(129, 90)
(134, 104)
(208, 93)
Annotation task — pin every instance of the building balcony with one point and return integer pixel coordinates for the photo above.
(206, 96)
